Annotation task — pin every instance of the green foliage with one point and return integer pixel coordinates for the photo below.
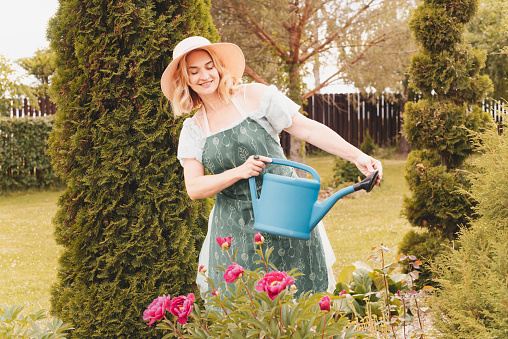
(471, 302)
(443, 127)
(382, 295)
(423, 245)
(23, 160)
(440, 201)
(42, 66)
(434, 29)
(127, 227)
(452, 74)
(447, 73)
(238, 310)
(12, 90)
(17, 326)
(488, 32)
(345, 172)
(365, 291)
(368, 146)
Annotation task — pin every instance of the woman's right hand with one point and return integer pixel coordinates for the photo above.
(253, 166)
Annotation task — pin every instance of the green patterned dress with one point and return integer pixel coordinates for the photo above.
(232, 215)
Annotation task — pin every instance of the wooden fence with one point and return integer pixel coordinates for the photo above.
(498, 111)
(352, 115)
(46, 107)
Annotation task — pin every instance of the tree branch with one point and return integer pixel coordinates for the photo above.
(250, 72)
(332, 37)
(258, 30)
(351, 63)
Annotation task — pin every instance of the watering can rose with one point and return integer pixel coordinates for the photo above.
(273, 283)
(157, 309)
(233, 272)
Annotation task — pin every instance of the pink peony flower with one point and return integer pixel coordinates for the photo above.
(273, 283)
(202, 269)
(233, 272)
(342, 293)
(324, 304)
(259, 239)
(225, 243)
(181, 307)
(157, 309)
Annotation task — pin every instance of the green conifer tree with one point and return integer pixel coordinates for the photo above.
(472, 298)
(446, 72)
(128, 229)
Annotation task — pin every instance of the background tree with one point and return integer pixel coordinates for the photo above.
(488, 31)
(280, 41)
(128, 229)
(12, 88)
(471, 300)
(42, 67)
(446, 72)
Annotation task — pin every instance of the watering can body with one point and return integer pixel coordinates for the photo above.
(288, 206)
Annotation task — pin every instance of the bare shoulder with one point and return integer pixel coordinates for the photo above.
(253, 93)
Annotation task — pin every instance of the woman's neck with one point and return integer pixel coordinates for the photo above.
(213, 103)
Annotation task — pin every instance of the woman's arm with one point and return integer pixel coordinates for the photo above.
(328, 140)
(200, 186)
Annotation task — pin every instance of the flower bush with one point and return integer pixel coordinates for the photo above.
(253, 304)
(13, 324)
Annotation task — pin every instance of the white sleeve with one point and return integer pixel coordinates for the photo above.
(191, 142)
(278, 109)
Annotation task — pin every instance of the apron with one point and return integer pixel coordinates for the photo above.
(233, 215)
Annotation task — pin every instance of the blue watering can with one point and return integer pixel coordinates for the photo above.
(289, 207)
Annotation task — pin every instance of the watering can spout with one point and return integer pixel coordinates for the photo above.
(321, 208)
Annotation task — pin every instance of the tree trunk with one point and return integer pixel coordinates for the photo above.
(296, 146)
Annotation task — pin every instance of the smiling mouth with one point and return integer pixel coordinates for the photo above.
(206, 83)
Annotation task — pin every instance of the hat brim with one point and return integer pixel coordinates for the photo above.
(230, 54)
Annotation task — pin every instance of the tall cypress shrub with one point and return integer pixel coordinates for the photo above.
(446, 72)
(472, 301)
(128, 230)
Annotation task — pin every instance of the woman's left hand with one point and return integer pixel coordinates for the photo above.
(367, 165)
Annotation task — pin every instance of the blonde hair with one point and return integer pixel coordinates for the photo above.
(185, 100)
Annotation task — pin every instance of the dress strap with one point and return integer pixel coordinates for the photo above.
(238, 107)
(205, 119)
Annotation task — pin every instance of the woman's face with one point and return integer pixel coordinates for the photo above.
(203, 76)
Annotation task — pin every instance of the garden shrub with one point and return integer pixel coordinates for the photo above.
(368, 146)
(423, 245)
(345, 172)
(446, 72)
(126, 225)
(15, 325)
(472, 298)
(24, 163)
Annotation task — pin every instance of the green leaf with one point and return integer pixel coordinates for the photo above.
(346, 275)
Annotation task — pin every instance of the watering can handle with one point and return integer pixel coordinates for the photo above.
(298, 165)
(252, 180)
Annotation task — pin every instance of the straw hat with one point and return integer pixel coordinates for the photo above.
(230, 54)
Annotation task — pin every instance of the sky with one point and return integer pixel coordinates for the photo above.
(23, 25)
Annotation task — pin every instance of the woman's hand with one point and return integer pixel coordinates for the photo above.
(253, 166)
(367, 165)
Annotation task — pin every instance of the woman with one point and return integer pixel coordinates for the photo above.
(232, 124)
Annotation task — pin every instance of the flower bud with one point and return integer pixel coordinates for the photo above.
(202, 269)
(259, 239)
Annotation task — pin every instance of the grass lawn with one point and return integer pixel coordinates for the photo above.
(29, 254)
(360, 221)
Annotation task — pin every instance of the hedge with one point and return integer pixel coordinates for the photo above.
(24, 163)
